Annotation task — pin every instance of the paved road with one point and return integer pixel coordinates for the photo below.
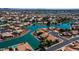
(56, 35)
(65, 42)
(13, 42)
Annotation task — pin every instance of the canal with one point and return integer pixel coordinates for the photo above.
(28, 37)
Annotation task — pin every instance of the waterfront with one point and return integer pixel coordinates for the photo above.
(17, 28)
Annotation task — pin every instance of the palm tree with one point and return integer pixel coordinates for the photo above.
(48, 23)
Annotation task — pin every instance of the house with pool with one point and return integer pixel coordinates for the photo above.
(38, 30)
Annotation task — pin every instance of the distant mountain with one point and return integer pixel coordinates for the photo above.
(41, 10)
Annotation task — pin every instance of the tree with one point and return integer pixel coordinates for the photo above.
(48, 43)
(41, 46)
(48, 23)
(62, 30)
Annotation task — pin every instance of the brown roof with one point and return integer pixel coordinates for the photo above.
(67, 48)
(51, 37)
(75, 32)
(74, 46)
(45, 29)
(40, 30)
(44, 34)
(23, 47)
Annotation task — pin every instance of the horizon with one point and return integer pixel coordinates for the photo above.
(45, 8)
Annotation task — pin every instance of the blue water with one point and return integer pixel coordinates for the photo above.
(34, 43)
(35, 27)
(63, 26)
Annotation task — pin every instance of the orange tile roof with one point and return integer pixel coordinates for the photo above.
(44, 34)
(23, 47)
(51, 37)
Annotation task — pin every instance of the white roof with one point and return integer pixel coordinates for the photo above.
(7, 34)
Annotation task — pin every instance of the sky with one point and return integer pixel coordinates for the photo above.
(46, 4)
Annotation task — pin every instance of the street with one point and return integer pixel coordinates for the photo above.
(62, 44)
